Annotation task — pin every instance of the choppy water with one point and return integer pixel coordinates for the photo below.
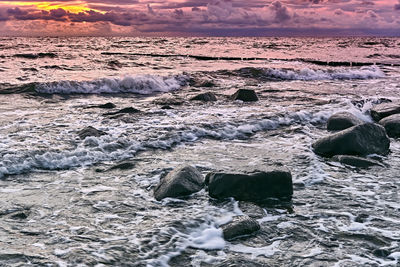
(61, 204)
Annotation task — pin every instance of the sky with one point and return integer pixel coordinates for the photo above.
(200, 18)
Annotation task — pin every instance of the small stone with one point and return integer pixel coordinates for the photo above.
(245, 95)
(129, 110)
(182, 181)
(90, 131)
(240, 226)
(363, 139)
(206, 97)
(392, 125)
(357, 161)
(342, 120)
(384, 110)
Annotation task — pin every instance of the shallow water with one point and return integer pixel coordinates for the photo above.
(62, 204)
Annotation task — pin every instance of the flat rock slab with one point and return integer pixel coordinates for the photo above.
(245, 95)
(342, 120)
(363, 139)
(240, 226)
(384, 110)
(255, 187)
(182, 181)
(392, 125)
(357, 161)
(90, 131)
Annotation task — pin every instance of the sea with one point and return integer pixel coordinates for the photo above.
(72, 201)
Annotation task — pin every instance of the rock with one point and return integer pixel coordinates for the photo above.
(392, 125)
(245, 95)
(357, 161)
(202, 83)
(342, 120)
(182, 181)
(255, 186)
(90, 131)
(206, 97)
(108, 105)
(166, 107)
(123, 166)
(384, 110)
(240, 226)
(129, 110)
(381, 253)
(363, 139)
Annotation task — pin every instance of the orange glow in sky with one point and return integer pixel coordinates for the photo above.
(73, 7)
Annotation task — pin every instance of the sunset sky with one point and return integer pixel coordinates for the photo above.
(199, 18)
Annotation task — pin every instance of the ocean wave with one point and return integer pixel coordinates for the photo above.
(306, 74)
(105, 148)
(140, 84)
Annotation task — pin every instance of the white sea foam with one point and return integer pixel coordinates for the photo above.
(102, 149)
(306, 74)
(141, 84)
(266, 251)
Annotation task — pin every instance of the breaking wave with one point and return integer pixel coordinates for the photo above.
(306, 74)
(141, 84)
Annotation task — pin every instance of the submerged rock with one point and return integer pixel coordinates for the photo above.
(255, 186)
(392, 125)
(240, 226)
(206, 97)
(357, 161)
(129, 110)
(384, 110)
(108, 105)
(245, 95)
(182, 181)
(363, 139)
(342, 120)
(90, 131)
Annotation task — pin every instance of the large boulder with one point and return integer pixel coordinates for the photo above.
(240, 226)
(384, 110)
(357, 161)
(206, 97)
(363, 139)
(245, 95)
(256, 186)
(342, 120)
(392, 125)
(182, 181)
(90, 131)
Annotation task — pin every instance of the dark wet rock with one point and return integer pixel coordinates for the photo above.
(19, 216)
(90, 131)
(392, 125)
(108, 105)
(166, 107)
(357, 161)
(206, 97)
(381, 253)
(384, 110)
(182, 181)
(240, 226)
(35, 56)
(245, 95)
(129, 110)
(201, 83)
(363, 139)
(255, 186)
(342, 120)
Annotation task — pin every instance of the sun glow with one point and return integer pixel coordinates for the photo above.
(73, 7)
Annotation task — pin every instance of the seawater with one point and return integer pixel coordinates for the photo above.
(63, 204)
